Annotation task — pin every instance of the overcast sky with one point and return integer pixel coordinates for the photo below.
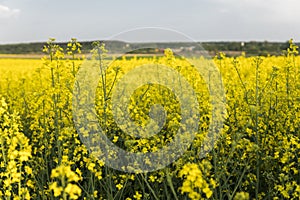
(201, 20)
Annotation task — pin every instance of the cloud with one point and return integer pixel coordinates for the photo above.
(6, 12)
(269, 12)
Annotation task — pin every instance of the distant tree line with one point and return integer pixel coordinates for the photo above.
(230, 48)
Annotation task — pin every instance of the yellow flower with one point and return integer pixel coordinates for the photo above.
(241, 196)
(73, 191)
(152, 178)
(119, 186)
(28, 170)
(57, 190)
(137, 195)
(115, 139)
(95, 194)
(30, 184)
(91, 166)
(207, 192)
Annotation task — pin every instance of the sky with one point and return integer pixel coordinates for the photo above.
(152, 20)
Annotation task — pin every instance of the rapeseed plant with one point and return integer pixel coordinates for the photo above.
(256, 156)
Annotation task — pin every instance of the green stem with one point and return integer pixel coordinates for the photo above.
(149, 187)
